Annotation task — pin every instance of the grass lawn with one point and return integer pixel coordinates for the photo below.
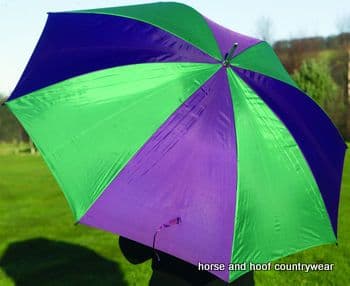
(39, 245)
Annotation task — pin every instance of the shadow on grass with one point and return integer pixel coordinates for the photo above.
(46, 262)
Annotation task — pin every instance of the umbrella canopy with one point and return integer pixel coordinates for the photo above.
(153, 113)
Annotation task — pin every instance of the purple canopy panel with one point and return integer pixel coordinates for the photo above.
(74, 44)
(319, 140)
(226, 38)
(187, 169)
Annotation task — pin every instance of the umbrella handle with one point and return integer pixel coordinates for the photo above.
(171, 222)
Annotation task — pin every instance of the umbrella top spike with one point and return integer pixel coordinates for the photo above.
(230, 54)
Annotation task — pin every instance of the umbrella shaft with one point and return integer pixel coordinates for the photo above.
(229, 56)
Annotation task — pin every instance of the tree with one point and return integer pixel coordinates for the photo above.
(2, 99)
(10, 129)
(264, 29)
(343, 24)
(314, 78)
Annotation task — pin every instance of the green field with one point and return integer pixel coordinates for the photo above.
(39, 245)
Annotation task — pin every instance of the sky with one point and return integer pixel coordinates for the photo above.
(22, 21)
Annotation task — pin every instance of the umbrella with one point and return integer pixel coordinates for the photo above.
(166, 128)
